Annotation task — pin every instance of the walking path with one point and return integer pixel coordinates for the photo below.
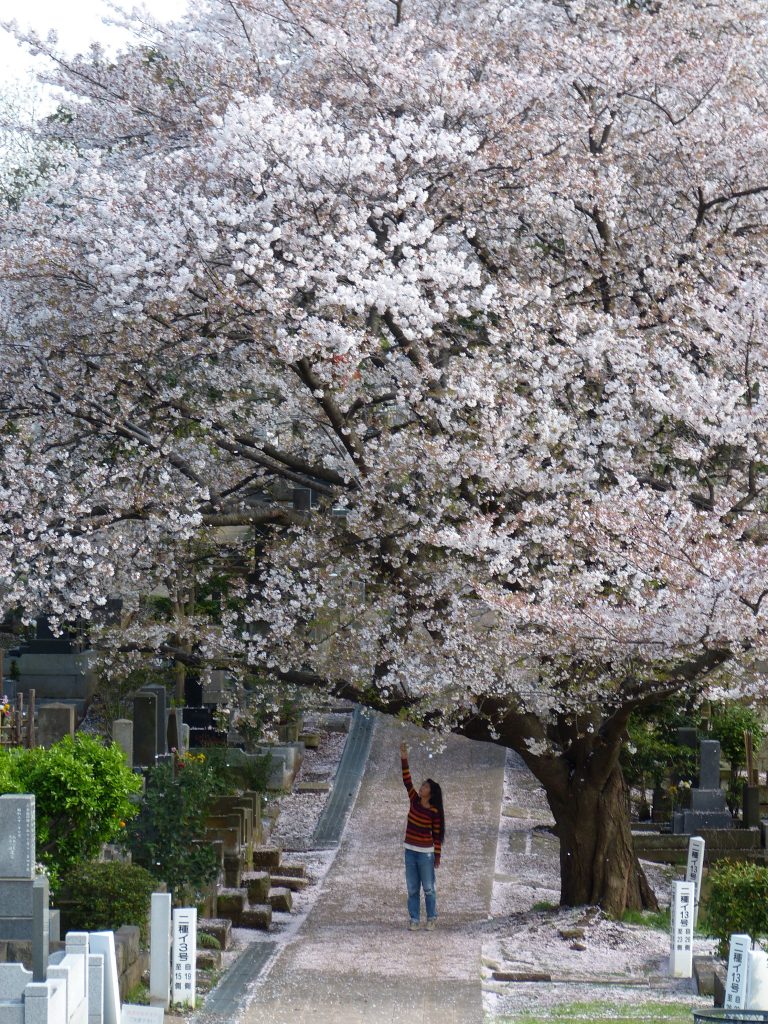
(354, 962)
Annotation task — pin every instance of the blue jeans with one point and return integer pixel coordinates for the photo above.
(420, 873)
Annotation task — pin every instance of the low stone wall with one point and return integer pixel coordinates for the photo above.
(734, 843)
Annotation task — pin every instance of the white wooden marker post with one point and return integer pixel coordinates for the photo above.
(160, 950)
(738, 972)
(681, 955)
(184, 955)
(695, 870)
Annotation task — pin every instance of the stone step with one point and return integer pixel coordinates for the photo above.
(280, 899)
(313, 787)
(265, 858)
(219, 927)
(282, 881)
(257, 884)
(256, 916)
(208, 959)
(231, 903)
(293, 870)
(311, 740)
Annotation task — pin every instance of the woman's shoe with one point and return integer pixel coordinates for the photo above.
(413, 926)
(431, 924)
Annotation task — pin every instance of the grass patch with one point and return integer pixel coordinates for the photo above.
(138, 995)
(599, 1010)
(545, 905)
(659, 919)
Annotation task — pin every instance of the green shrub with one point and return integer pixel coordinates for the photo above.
(729, 723)
(166, 837)
(207, 941)
(738, 903)
(82, 797)
(99, 897)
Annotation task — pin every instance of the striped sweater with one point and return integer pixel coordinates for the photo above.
(422, 829)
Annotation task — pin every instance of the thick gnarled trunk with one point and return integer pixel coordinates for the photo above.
(598, 864)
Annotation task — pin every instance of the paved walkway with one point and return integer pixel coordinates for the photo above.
(354, 962)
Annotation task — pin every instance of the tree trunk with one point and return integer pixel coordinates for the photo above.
(598, 864)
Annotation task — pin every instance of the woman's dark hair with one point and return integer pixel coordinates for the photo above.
(436, 799)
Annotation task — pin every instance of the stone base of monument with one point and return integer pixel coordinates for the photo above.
(742, 844)
(705, 972)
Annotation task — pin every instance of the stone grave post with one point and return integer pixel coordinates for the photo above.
(104, 943)
(95, 987)
(184, 955)
(54, 722)
(24, 913)
(71, 967)
(695, 870)
(160, 950)
(737, 975)
(122, 735)
(144, 729)
(681, 955)
(161, 717)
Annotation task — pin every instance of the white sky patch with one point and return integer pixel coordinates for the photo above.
(77, 25)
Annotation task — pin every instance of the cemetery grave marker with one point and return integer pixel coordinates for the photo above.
(695, 869)
(738, 972)
(184, 955)
(681, 955)
(160, 950)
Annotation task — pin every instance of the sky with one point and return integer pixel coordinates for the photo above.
(77, 23)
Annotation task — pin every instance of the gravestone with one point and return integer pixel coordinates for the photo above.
(122, 735)
(104, 943)
(24, 903)
(681, 954)
(17, 836)
(708, 808)
(161, 715)
(144, 729)
(54, 722)
(709, 764)
(160, 950)
(737, 976)
(95, 987)
(695, 869)
(54, 667)
(184, 972)
(71, 966)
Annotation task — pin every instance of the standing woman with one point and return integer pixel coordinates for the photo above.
(424, 834)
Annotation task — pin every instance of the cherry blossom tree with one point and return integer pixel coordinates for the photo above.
(488, 279)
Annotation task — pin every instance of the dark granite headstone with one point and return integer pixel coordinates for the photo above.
(17, 836)
(144, 729)
(160, 725)
(54, 722)
(750, 816)
(709, 764)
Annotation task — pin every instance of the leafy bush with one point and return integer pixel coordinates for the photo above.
(207, 941)
(166, 836)
(738, 902)
(82, 797)
(100, 897)
(729, 723)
